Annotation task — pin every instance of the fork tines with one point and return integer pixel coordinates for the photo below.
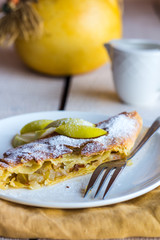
(116, 165)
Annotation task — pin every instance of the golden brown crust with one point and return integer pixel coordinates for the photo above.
(122, 129)
(3, 165)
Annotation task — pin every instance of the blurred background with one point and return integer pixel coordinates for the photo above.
(85, 87)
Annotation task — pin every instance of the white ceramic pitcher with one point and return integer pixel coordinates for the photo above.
(136, 70)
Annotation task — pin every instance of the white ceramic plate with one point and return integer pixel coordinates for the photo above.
(135, 180)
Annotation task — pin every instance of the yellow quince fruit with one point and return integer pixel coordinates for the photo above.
(73, 37)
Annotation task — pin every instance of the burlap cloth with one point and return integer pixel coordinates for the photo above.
(138, 217)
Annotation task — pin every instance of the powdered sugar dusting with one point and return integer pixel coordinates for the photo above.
(118, 128)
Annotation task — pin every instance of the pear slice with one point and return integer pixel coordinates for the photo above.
(22, 139)
(35, 126)
(76, 121)
(30, 137)
(79, 131)
(72, 127)
(44, 133)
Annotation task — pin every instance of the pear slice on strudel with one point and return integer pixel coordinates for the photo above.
(50, 160)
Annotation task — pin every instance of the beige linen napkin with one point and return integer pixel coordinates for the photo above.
(138, 217)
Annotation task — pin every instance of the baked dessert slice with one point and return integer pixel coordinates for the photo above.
(51, 160)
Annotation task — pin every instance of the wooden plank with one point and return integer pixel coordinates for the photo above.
(91, 91)
(22, 90)
(140, 20)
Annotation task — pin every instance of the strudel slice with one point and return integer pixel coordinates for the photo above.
(50, 160)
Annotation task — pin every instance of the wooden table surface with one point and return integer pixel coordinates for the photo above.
(23, 91)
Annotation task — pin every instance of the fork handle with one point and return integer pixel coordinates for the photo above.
(154, 127)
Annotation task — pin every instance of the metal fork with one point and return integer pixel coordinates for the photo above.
(118, 165)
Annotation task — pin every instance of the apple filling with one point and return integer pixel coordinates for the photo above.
(34, 175)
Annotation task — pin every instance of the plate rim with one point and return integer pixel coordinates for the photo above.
(81, 205)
